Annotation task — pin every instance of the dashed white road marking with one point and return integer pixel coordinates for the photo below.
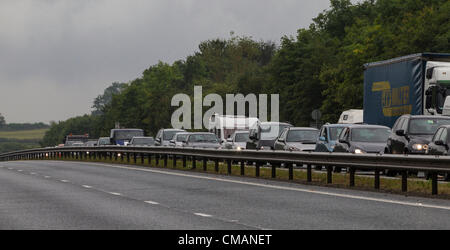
(33, 173)
(20, 170)
(272, 186)
(152, 202)
(113, 193)
(64, 181)
(47, 176)
(203, 215)
(86, 186)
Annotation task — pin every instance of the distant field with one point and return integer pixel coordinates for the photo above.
(35, 134)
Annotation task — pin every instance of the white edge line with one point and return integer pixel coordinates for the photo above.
(405, 203)
(152, 202)
(203, 215)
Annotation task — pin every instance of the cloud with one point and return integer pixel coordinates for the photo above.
(66, 52)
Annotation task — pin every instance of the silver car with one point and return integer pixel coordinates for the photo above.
(237, 140)
(201, 140)
(178, 138)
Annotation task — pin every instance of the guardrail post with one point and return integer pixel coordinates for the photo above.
(229, 166)
(165, 160)
(194, 162)
(157, 160)
(291, 171)
(121, 157)
(352, 177)
(434, 183)
(274, 171)
(135, 158)
(242, 168)
(404, 181)
(149, 156)
(174, 159)
(115, 156)
(329, 174)
(258, 164)
(184, 161)
(377, 179)
(308, 173)
(142, 158)
(216, 165)
(205, 164)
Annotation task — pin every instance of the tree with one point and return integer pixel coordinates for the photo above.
(2, 120)
(102, 100)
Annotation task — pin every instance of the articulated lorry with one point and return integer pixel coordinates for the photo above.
(417, 84)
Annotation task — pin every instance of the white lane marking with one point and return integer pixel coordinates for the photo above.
(64, 181)
(86, 186)
(47, 176)
(20, 170)
(357, 197)
(152, 202)
(10, 168)
(203, 215)
(33, 173)
(113, 193)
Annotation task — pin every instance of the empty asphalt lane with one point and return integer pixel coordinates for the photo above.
(119, 196)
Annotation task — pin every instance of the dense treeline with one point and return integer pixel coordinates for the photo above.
(322, 67)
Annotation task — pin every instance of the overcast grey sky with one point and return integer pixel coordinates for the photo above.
(56, 56)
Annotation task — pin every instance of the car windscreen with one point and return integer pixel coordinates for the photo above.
(334, 132)
(203, 138)
(168, 135)
(127, 134)
(181, 137)
(370, 134)
(302, 136)
(241, 137)
(271, 132)
(143, 141)
(104, 141)
(426, 126)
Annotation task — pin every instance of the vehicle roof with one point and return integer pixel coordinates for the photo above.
(367, 126)
(173, 129)
(201, 133)
(103, 138)
(426, 116)
(338, 125)
(142, 137)
(303, 128)
(241, 131)
(275, 123)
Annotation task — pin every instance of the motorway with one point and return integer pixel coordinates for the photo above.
(75, 195)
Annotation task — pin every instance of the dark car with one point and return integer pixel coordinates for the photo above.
(202, 140)
(264, 134)
(440, 144)
(328, 136)
(361, 139)
(411, 134)
(297, 139)
(164, 136)
(142, 141)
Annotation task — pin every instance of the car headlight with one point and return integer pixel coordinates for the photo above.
(238, 148)
(419, 147)
(359, 151)
(293, 148)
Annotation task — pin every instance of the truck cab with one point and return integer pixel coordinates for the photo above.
(437, 88)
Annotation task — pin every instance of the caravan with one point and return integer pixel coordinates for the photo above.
(223, 126)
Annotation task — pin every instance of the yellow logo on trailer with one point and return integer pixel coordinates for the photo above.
(395, 102)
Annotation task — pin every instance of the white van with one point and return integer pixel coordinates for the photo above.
(352, 116)
(223, 126)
